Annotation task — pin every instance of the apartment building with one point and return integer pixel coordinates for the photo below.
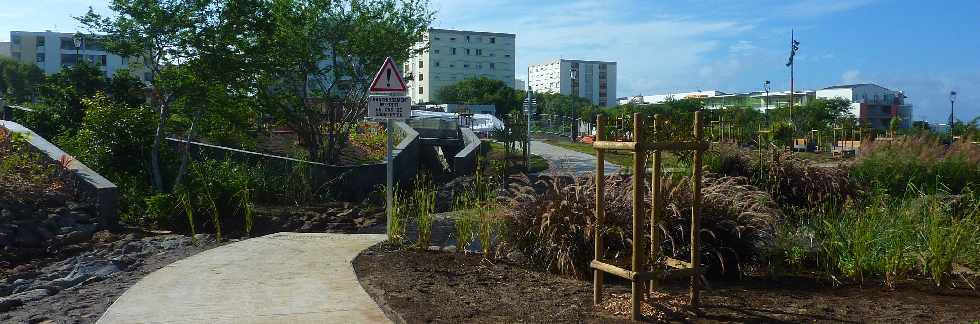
(872, 103)
(456, 55)
(592, 80)
(52, 51)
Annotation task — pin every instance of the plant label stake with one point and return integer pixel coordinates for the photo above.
(390, 104)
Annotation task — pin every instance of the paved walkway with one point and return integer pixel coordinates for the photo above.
(568, 160)
(279, 278)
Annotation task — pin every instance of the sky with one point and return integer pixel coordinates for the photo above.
(924, 48)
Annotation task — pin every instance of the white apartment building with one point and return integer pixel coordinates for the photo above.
(51, 51)
(456, 55)
(592, 80)
(872, 103)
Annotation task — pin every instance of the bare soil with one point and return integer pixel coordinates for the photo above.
(438, 287)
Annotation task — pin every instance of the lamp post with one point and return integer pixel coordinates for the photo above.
(952, 100)
(766, 87)
(78, 45)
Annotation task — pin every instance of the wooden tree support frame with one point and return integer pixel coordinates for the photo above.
(676, 268)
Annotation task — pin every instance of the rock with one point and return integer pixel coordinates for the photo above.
(75, 237)
(31, 295)
(7, 303)
(26, 237)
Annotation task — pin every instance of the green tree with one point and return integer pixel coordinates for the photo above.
(317, 58)
(482, 90)
(18, 81)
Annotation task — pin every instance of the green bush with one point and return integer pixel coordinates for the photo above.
(922, 161)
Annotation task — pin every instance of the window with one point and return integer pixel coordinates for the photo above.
(437, 38)
(479, 66)
(479, 52)
(67, 43)
(467, 38)
(420, 77)
(452, 65)
(492, 66)
(15, 39)
(436, 51)
(437, 63)
(466, 66)
(493, 40)
(454, 51)
(506, 55)
(40, 41)
(467, 51)
(40, 57)
(420, 90)
(491, 54)
(452, 39)
(421, 65)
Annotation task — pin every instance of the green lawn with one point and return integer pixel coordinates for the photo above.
(498, 152)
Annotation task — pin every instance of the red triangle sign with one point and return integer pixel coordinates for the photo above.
(388, 79)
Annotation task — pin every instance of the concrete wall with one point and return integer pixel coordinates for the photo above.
(92, 187)
(464, 162)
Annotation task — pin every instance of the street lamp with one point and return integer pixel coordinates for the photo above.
(952, 100)
(766, 87)
(78, 45)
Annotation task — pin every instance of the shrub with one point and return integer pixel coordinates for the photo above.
(922, 161)
(424, 204)
(552, 221)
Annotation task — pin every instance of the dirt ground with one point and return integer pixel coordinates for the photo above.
(440, 287)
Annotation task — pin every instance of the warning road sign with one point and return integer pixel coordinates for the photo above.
(388, 79)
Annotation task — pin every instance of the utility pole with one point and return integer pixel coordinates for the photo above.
(952, 100)
(529, 102)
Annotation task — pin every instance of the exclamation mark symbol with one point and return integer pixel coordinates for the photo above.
(389, 78)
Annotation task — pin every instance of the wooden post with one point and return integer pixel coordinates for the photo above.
(656, 206)
(638, 255)
(600, 213)
(696, 214)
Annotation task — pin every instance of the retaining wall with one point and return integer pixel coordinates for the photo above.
(464, 162)
(92, 187)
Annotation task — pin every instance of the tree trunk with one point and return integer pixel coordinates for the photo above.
(186, 150)
(155, 151)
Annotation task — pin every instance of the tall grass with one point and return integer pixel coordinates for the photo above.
(424, 204)
(899, 236)
(921, 160)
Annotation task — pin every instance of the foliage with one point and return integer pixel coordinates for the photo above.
(481, 90)
(318, 56)
(423, 205)
(27, 175)
(921, 161)
(892, 237)
(18, 81)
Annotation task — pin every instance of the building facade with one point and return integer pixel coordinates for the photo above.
(455, 55)
(871, 103)
(52, 51)
(714, 99)
(592, 80)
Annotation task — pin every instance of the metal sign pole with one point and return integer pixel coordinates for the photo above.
(391, 174)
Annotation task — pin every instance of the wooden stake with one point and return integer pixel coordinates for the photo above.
(656, 205)
(638, 256)
(696, 214)
(600, 214)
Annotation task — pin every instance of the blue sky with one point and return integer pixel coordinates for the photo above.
(925, 48)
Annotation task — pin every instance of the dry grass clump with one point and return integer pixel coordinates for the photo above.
(789, 179)
(552, 221)
(737, 222)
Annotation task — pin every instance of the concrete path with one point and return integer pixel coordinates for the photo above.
(568, 160)
(279, 278)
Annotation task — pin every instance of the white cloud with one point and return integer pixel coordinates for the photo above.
(851, 76)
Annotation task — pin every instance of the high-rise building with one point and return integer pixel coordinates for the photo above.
(455, 55)
(592, 80)
(52, 51)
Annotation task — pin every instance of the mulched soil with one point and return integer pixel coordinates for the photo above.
(438, 287)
